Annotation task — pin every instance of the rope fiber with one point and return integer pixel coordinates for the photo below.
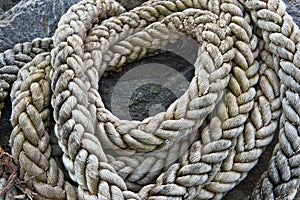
(245, 89)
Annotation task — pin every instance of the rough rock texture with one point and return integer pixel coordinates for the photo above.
(7, 4)
(31, 19)
(293, 8)
(41, 17)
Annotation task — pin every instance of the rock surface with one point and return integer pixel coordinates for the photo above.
(40, 17)
(31, 19)
(6, 4)
(293, 8)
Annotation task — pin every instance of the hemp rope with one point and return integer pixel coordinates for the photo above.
(228, 147)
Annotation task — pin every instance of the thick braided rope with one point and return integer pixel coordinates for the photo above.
(282, 178)
(69, 156)
(272, 127)
(14, 59)
(165, 123)
(255, 67)
(271, 130)
(224, 142)
(98, 45)
(239, 148)
(31, 136)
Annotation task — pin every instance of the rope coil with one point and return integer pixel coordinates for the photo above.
(247, 70)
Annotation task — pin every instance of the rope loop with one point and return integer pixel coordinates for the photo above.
(245, 87)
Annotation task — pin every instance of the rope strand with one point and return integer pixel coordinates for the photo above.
(246, 83)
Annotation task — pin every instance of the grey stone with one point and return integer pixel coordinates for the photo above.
(129, 4)
(30, 19)
(293, 8)
(6, 5)
(137, 93)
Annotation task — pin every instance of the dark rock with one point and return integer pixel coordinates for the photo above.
(6, 5)
(146, 87)
(129, 4)
(293, 7)
(31, 19)
(5, 126)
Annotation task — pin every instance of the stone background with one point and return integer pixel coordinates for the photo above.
(24, 20)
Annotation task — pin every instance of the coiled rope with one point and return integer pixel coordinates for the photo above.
(247, 71)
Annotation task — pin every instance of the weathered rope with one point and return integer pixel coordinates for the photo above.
(13, 59)
(247, 70)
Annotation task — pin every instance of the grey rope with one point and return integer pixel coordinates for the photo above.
(12, 60)
(255, 57)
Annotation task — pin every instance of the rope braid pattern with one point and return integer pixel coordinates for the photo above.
(282, 178)
(202, 84)
(214, 157)
(14, 59)
(30, 137)
(219, 144)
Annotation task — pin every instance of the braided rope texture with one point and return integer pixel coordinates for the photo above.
(246, 82)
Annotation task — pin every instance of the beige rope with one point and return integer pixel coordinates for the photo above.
(241, 53)
(13, 59)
